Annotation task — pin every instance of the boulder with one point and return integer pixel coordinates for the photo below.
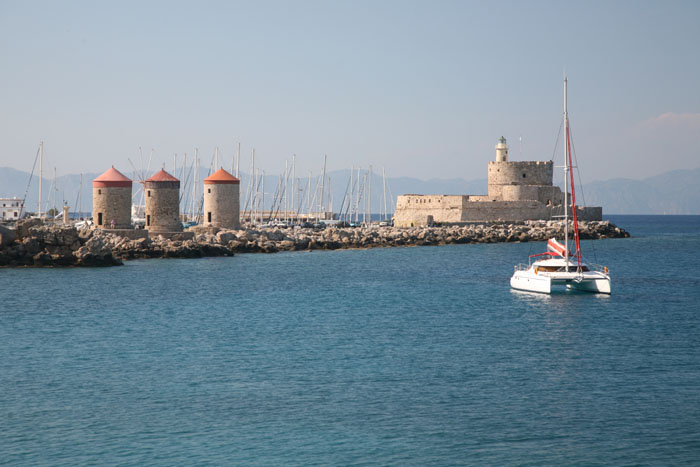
(7, 236)
(23, 226)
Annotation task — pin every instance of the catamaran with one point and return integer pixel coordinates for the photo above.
(559, 266)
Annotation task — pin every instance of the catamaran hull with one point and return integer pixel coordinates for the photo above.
(531, 283)
(540, 283)
(601, 285)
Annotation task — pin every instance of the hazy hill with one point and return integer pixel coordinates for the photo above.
(676, 192)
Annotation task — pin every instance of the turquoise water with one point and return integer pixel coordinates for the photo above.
(407, 356)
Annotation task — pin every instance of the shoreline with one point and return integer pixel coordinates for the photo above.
(37, 245)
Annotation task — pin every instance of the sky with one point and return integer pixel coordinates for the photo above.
(423, 89)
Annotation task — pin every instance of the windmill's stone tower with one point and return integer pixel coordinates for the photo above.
(111, 200)
(162, 203)
(222, 200)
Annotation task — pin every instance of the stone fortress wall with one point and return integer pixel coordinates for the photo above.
(517, 191)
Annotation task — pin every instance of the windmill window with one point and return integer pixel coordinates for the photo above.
(208, 190)
(99, 218)
(149, 193)
(99, 192)
(523, 175)
(209, 215)
(148, 220)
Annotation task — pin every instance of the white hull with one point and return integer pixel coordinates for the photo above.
(529, 281)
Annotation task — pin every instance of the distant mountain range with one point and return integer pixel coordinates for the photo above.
(676, 192)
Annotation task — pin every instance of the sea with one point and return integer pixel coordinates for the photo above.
(394, 356)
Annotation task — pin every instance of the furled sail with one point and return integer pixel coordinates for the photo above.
(555, 247)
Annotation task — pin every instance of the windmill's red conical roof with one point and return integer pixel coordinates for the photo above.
(112, 178)
(221, 177)
(162, 176)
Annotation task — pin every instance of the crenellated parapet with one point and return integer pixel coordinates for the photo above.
(517, 191)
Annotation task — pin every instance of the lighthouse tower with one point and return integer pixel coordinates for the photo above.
(111, 200)
(162, 203)
(222, 200)
(501, 150)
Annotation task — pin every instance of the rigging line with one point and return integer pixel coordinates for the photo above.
(26, 192)
(556, 143)
(574, 208)
(580, 184)
(578, 171)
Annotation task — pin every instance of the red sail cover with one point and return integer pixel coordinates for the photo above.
(556, 247)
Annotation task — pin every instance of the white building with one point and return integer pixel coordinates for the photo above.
(10, 208)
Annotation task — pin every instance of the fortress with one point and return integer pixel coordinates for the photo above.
(517, 191)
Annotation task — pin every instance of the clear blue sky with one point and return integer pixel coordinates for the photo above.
(422, 88)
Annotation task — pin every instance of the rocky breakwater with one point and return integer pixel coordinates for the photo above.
(37, 245)
(34, 244)
(159, 247)
(271, 240)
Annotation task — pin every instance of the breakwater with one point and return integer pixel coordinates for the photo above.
(34, 244)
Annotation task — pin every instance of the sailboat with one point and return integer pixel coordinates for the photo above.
(558, 266)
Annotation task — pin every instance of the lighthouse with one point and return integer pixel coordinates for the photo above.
(501, 150)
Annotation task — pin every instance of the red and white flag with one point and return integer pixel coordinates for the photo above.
(556, 247)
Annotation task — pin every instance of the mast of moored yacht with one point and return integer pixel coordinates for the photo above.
(294, 187)
(386, 213)
(323, 186)
(41, 172)
(80, 197)
(238, 161)
(566, 177)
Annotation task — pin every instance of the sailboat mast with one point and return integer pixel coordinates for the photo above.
(238, 162)
(369, 194)
(41, 172)
(566, 178)
(294, 179)
(386, 213)
(323, 186)
(285, 193)
(55, 192)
